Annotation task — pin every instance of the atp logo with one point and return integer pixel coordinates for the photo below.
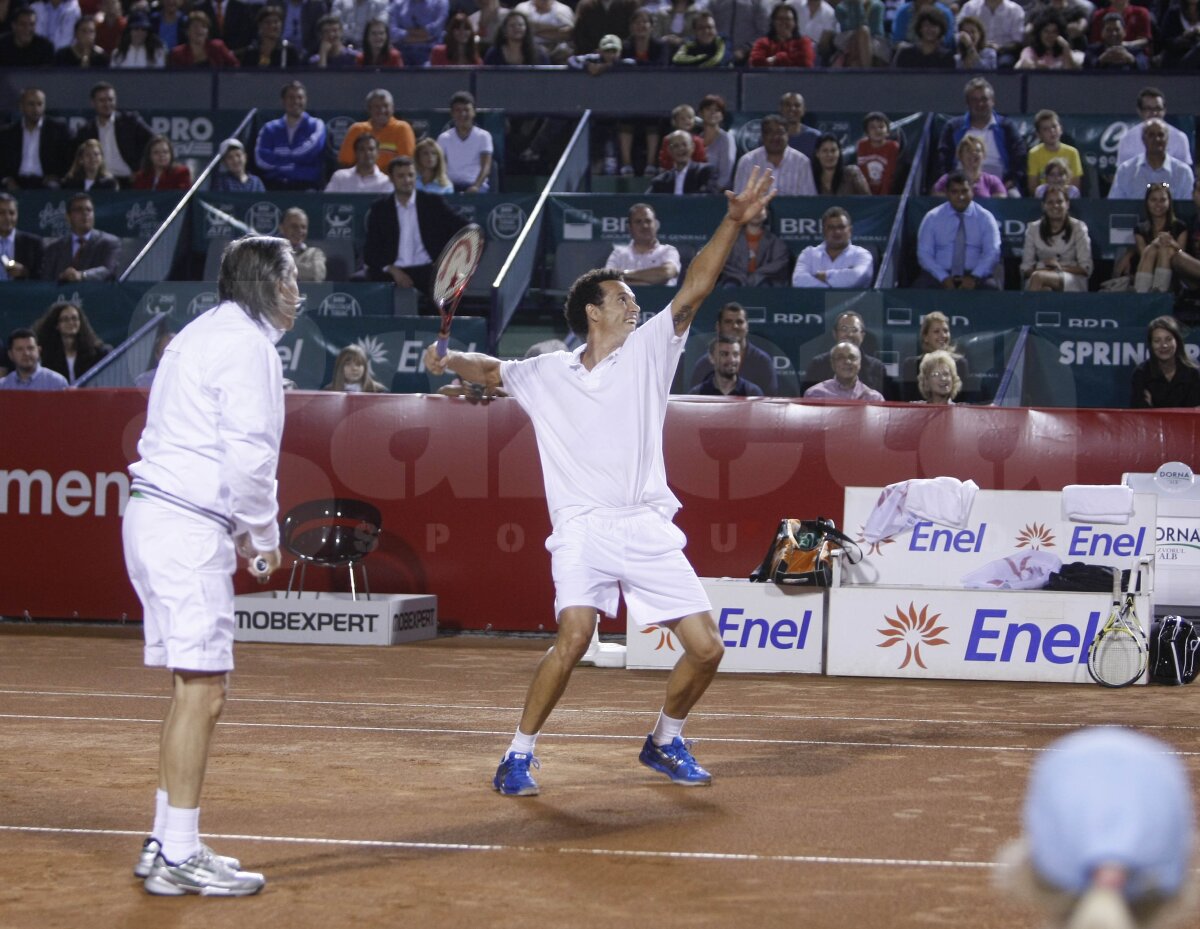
(339, 221)
(665, 638)
(156, 304)
(1035, 536)
(749, 136)
(912, 629)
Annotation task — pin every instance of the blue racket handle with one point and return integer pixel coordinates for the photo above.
(260, 565)
(442, 344)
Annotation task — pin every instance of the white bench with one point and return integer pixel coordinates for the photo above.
(903, 612)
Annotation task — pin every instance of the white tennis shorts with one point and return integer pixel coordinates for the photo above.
(635, 551)
(182, 569)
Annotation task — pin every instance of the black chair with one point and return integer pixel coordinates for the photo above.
(332, 533)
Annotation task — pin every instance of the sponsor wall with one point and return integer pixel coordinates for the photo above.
(1010, 524)
(461, 494)
(764, 627)
(904, 610)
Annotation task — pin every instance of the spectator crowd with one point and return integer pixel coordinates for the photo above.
(976, 155)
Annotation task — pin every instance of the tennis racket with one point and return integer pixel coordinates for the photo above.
(1118, 654)
(455, 265)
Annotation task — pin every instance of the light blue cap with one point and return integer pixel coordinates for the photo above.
(1110, 796)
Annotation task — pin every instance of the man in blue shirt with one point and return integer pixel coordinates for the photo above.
(958, 244)
(28, 373)
(1154, 166)
(290, 152)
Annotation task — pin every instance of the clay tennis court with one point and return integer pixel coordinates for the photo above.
(358, 781)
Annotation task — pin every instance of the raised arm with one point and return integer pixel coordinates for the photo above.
(470, 366)
(706, 267)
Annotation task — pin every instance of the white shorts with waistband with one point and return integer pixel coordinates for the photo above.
(635, 551)
(182, 569)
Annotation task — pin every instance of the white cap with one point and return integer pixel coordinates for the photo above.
(1110, 796)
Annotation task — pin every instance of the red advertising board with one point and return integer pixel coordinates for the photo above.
(460, 487)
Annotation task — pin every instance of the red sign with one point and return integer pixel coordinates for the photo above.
(460, 488)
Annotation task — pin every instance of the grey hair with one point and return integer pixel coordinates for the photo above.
(381, 92)
(251, 270)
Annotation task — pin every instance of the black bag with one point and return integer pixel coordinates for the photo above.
(801, 551)
(1173, 645)
(1078, 575)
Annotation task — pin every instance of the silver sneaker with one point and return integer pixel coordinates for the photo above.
(205, 874)
(150, 849)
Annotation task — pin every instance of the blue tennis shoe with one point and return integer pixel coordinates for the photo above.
(675, 761)
(513, 778)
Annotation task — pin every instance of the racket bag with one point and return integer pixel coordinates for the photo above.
(801, 551)
(1173, 645)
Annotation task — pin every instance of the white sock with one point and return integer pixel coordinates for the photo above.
(666, 729)
(160, 814)
(181, 835)
(1142, 281)
(1161, 281)
(521, 743)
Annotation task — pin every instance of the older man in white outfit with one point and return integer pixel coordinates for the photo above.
(203, 492)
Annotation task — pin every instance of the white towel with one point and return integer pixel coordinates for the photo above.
(1098, 503)
(942, 500)
(1019, 571)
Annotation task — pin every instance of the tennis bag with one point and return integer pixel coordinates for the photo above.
(1173, 645)
(801, 551)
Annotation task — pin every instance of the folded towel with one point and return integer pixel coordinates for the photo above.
(1098, 503)
(943, 500)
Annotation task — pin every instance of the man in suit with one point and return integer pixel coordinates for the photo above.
(20, 252)
(85, 253)
(406, 231)
(849, 327)
(687, 176)
(35, 151)
(23, 47)
(123, 135)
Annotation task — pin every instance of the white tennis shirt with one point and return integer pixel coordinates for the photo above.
(215, 422)
(599, 432)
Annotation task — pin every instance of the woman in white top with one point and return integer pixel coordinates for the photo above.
(139, 47)
(1048, 48)
(1058, 250)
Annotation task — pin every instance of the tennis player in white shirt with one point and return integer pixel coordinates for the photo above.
(598, 417)
(203, 492)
